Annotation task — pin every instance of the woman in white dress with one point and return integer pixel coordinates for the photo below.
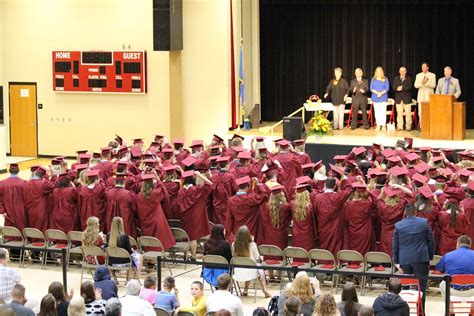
(244, 246)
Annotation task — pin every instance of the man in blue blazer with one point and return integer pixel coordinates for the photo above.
(413, 247)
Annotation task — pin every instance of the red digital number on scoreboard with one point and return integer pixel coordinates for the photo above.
(99, 71)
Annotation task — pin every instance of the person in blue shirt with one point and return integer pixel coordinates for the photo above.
(456, 262)
(166, 298)
(379, 87)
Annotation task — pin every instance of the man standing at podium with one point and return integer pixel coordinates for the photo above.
(448, 84)
(425, 82)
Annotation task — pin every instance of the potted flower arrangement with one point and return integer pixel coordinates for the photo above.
(318, 125)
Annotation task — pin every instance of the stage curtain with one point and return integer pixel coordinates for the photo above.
(302, 41)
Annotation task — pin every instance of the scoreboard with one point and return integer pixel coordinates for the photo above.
(99, 71)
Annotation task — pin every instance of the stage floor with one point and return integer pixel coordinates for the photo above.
(362, 137)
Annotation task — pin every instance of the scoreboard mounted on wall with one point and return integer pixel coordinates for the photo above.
(99, 71)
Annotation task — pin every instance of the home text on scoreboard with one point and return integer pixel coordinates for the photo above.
(99, 71)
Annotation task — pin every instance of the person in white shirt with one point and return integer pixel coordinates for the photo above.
(448, 84)
(132, 304)
(8, 278)
(425, 82)
(223, 299)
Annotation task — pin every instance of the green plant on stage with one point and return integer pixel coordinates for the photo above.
(318, 124)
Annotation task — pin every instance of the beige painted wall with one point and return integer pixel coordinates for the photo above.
(199, 75)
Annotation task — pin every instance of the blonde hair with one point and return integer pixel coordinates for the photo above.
(242, 242)
(274, 204)
(116, 230)
(89, 236)
(76, 306)
(326, 305)
(302, 200)
(392, 201)
(301, 288)
(379, 69)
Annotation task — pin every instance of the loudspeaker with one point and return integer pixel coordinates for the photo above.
(167, 25)
(293, 128)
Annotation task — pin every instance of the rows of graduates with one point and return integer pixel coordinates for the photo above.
(276, 193)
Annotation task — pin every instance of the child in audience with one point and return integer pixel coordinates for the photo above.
(198, 305)
(148, 291)
(165, 298)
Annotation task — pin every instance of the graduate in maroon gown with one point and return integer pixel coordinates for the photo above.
(328, 207)
(245, 167)
(179, 152)
(152, 220)
(11, 199)
(468, 205)
(192, 202)
(275, 218)
(359, 211)
(427, 207)
(453, 223)
(122, 203)
(36, 198)
(302, 156)
(290, 164)
(224, 189)
(391, 204)
(242, 208)
(64, 215)
(91, 200)
(172, 185)
(304, 231)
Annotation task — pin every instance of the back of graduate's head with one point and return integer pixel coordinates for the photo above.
(394, 285)
(13, 168)
(331, 183)
(244, 187)
(120, 182)
(189, 181)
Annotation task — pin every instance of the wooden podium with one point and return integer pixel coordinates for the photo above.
(443, 118)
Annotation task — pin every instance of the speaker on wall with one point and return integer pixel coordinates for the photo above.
(167, 25)
(293, 128)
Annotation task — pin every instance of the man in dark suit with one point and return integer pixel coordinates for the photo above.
(413, 246)
(402, 86)
(18, 302)
(359, 88)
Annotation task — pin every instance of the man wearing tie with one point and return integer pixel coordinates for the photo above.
(448, 84)
(425, 82)
(359, 88)
(402, 85)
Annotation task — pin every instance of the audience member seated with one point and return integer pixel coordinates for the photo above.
(148, 291)
(223, 312)
(219, 246)
(349, 304)
(62, 300)
(8, 276)
(93, 237)
(391, 303)
(459, 261)
(118, 238)
(18, 302)
(95, 305)
(223, 299)
(302, 288)
(292, 306)
(48, 306)
(198, 305)
(77, 307)
(326, 305)
(132, 304)
(165, 298)
(260, 311)
(113, 307)
(103, 282)
(366, 311)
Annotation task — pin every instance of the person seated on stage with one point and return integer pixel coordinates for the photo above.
(165, 298)
(338, 89)
(223, 299)
(448, 84)
(148, 291)
(359, 88)
(391, 303)
(456, 262)
(198, 304)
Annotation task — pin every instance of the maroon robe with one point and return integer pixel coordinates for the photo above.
(91, 202)
(389, 216)
(36, 199)
(303, 158)
(11, 202)
(224, 189)
(242, 209)
(291, 170)
(64, 215)
(468, 204)
(123, 203)
(106, 169)
(192, 203)
(272, 235)
(449, 235)
(172, 208)
(152, 218)
(183, 154)
(328, 208)
(359, 225)
(304, 232)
